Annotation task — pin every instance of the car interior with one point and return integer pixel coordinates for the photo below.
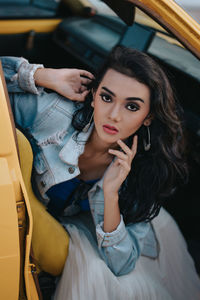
(84, 40)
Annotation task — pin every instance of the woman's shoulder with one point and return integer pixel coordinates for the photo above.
(35, 111)
(68, 105)
(55, 101)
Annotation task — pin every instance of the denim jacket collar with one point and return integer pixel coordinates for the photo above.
(77, 143)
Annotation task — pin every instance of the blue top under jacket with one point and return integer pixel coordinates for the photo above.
(63, 194)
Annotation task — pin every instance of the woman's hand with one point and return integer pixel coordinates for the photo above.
(119, 169)
(70, 83)
(114, 177)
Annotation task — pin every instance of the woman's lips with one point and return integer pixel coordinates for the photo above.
(110, 129)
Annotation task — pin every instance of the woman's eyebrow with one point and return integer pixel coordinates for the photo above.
(135, 99)
(107, 90)
(128, 99)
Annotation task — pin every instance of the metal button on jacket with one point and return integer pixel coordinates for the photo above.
(43, 183)
(71, 170)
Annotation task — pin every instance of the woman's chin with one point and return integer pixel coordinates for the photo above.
(105, 138)
(108, 138)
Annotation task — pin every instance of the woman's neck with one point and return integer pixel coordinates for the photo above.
(95, 158)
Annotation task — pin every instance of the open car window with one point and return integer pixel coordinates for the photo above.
(192, 7)
(102, 8)
(167, 48)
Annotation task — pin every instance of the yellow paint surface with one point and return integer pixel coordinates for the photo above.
(9, 250)
(12, 192)
(21, 26)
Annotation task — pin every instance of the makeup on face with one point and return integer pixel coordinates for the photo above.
(110, 129)
(121, 104)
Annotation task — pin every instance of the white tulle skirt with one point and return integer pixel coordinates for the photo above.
(171, 276)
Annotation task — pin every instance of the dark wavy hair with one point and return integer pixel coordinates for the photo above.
(155, 173)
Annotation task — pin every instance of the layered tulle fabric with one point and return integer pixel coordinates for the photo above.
(171, 276)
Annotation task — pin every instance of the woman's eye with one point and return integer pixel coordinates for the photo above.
(132, 107)
(105, 97)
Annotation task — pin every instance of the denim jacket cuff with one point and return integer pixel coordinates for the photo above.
(106, 239)
(26, 80)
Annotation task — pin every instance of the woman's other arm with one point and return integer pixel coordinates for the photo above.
(114, 177)
(119, 246)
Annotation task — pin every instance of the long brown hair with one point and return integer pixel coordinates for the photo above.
(155, 173)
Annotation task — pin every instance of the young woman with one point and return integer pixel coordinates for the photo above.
(104, 168)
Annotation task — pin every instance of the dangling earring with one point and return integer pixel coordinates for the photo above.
(85, 129)
(147, 145)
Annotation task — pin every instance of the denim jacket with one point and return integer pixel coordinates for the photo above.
(46, 120)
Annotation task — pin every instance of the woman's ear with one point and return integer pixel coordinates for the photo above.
(148, 120)
(92, 103)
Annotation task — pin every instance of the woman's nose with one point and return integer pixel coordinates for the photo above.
(115, 113)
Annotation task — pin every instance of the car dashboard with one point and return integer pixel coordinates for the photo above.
(91, 40)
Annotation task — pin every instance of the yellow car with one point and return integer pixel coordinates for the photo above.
(81, 33)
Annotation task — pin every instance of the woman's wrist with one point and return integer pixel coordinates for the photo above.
(41, 77)
(26, 78)
(111, 213)
(111, 196)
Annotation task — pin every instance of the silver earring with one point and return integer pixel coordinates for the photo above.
(85, 129)
(147, 145)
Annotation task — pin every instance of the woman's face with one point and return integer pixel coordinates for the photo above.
(121, 105)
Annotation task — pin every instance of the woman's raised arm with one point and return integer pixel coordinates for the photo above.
(70, 83)
(21, 76)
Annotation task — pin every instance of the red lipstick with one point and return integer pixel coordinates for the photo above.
(110, 129)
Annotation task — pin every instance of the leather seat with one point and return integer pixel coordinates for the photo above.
(50, 240)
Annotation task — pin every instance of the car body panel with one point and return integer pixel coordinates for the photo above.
(15, 214)
(21, 26)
